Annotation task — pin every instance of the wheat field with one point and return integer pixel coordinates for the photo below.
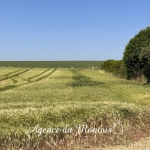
(58, 97)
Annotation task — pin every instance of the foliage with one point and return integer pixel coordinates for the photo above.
(145, 56)
(145, 59)
(134, 48)
(146, 72)
(114, 66)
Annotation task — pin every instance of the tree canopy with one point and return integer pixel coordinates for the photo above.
(137, 54)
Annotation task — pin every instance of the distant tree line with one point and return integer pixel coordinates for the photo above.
(136, 58)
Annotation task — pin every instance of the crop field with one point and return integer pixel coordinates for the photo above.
(51, 64)
(89, 108)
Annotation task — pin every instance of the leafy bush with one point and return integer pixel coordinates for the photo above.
(146, 72)
(145, 59)
(134, 52)
(116, 67)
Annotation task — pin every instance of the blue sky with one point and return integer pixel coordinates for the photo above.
(69, 29)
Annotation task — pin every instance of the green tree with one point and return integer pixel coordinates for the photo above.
(145, 59)
(133, 63)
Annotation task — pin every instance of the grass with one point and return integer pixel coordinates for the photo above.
(54, 98)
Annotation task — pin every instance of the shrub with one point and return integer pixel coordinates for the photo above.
(145, 59)
(133, 63)
(116, 67)
(146, 72)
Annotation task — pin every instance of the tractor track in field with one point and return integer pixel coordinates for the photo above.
(43, 76)
(5, 76)
(29, 79)
(13, 74)
(36, 78)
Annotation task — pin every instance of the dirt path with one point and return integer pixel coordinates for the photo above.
(143, 144)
